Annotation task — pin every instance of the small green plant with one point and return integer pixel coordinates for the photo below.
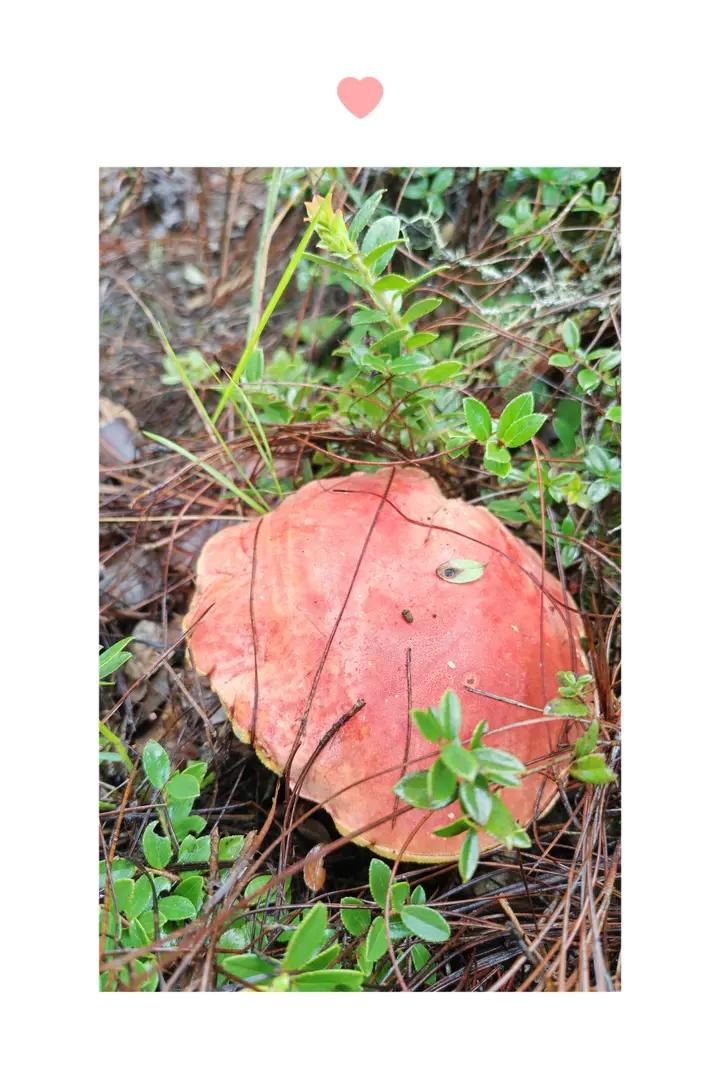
(409, 917)
(574, 700)
(596, 369)
(522, 219)
(472, 775)
(515, 426)
(143, 902)
(307, 964)
(428, 187)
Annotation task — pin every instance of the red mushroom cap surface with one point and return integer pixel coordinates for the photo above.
(336, 596)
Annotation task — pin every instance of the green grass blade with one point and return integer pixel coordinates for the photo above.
(223, 480)
(270, 307)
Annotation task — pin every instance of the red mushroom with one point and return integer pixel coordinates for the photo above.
(358, 588)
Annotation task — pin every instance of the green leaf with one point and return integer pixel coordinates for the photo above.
(384, 343)
(354, 915)
(588, 740)
(489, 755)
(598, 460)
(176, 908)
(157, 849)
(502, 825)
(375, 255)
(428, 724)
(413, 788)
(597, 193)
(255, 366)
(523, 210)
(182, 786)
(137, 934)
(114, 657)
(598, 490)
(380, 232)
(614, 414)
(442, 785)
(459, 761)
(398, 895)
(425, 923)
(376, 943)
(142, 897)
(477, 736)
(428, 274)
(571, 334)
(379, 878)
(522, 430)
(156, 763)
(510, 510)
(417, 341)
(454, 828)
(496, 459)
(476, 801)
(248, 966)
(230, 846)
(121, 868)
(442, 372)
(323, 959)
(392, 282)
(561, 360)
(308, 939)
(520, 406)
(566, 707)
(450, 714)
(255, 886)
(194, 849)
(363, 316)
(478, 419)
(124, 891)
(461, 571)
(420, 955)
(193, 888)
(404, 365)
(592, 769)
(334, 979)
(364, 214)
(420, 308)
(185, 825)
(236, 938)
(588, 380)
(196, 769)
(469, 856)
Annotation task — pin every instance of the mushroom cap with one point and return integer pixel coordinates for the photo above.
(335, 596)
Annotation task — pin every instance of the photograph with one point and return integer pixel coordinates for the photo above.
(360, 577)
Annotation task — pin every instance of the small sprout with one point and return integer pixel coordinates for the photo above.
(461, 571)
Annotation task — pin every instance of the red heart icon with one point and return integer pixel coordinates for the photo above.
(360, 96)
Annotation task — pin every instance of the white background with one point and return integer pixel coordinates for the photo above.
(465, 83)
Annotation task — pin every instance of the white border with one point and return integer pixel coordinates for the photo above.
(465, 83)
